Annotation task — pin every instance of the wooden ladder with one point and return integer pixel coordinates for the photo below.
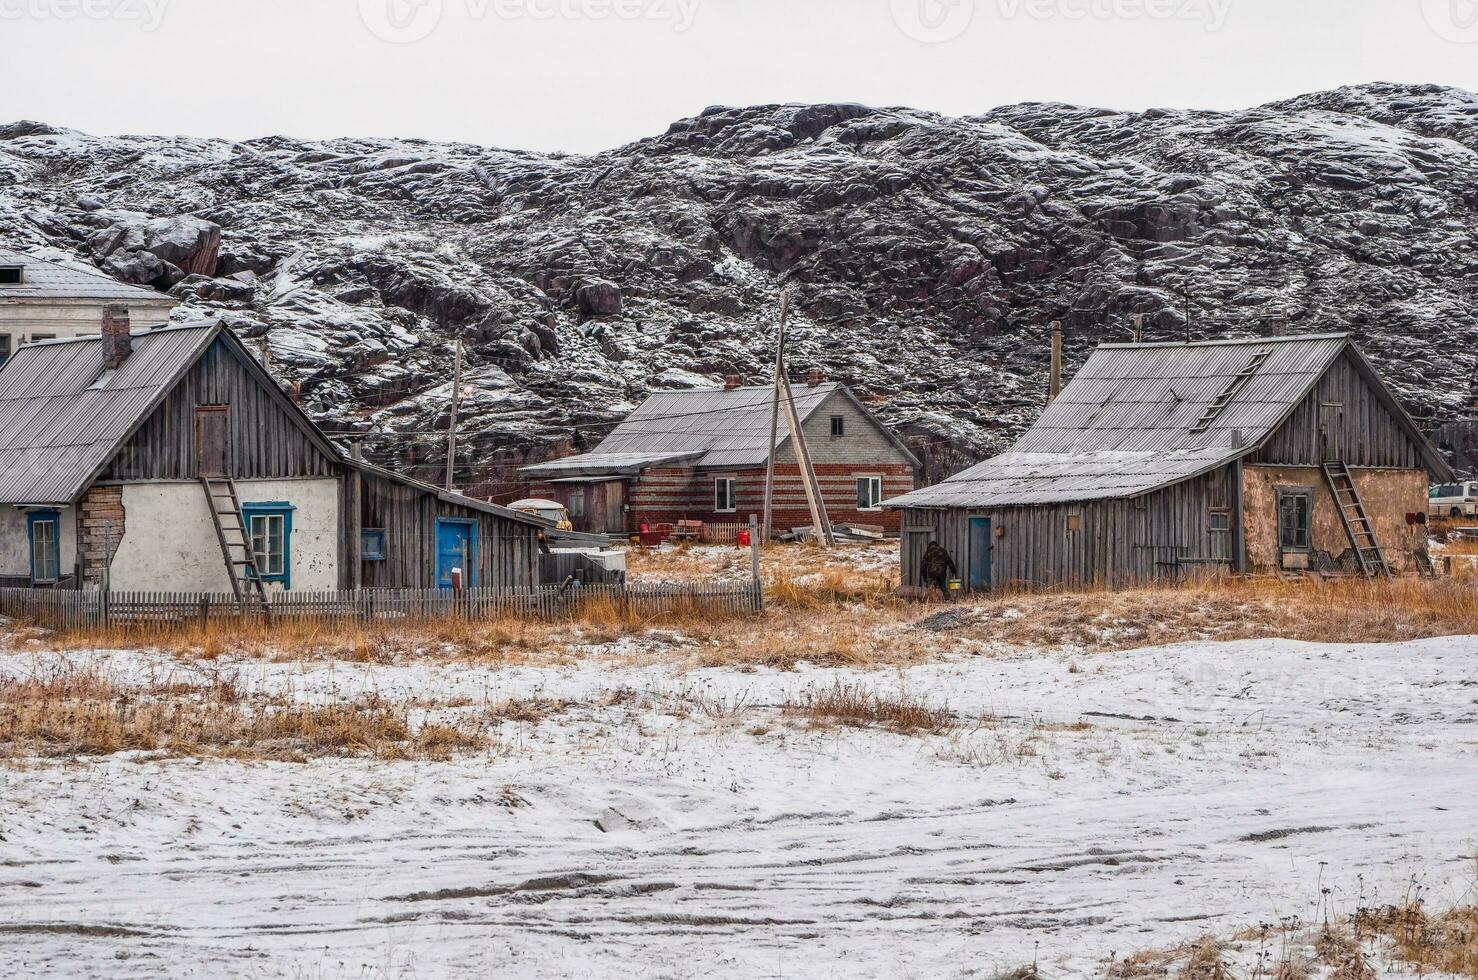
(235, 538)
(1356, 521)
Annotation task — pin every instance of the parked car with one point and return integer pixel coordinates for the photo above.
(1453, 500)
(550, 510)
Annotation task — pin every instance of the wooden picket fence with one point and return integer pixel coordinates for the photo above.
(66, 609)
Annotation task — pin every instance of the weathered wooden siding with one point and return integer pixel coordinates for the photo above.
(266, 441)
(1164, 535)
(1368, 434)
(508, 550)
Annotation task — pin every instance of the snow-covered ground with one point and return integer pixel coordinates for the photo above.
(669, 823)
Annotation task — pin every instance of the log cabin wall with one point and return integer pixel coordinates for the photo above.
(266, 441)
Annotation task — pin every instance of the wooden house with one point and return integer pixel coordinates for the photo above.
(41, 300)
(702, 455)
(169, 460)
(1160, 461)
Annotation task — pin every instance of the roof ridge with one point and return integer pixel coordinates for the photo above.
(1229, 341)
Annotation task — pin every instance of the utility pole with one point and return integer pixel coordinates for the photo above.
(451, 435)
(768, 530)
(820, 520)
(1054, 381)
(1188, 313)
(1139, 328)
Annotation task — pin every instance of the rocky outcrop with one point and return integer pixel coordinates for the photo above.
(926, 254)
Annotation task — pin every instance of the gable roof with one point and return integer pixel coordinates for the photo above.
(59, 428)
(1139, 417)
(714, 428)
(41, 279)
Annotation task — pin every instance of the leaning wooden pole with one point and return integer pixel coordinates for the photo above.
(768, 528)
(821, 522)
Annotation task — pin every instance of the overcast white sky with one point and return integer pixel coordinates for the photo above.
(590, 74)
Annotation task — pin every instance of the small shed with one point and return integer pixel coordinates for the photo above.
(701, 455)
(1160, 461)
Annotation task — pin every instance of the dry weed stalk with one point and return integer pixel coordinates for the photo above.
(855, 705)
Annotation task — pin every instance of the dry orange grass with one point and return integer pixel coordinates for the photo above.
(1445, 942)
(859, 707)
(86, 713)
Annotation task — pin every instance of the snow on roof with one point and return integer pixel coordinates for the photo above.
(1139, 417)
(41, 279)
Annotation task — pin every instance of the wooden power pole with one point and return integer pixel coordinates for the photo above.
(784, 398)
(451, 434)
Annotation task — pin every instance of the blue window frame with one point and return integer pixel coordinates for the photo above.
(269, 528)
(372, 544)
(44, 531)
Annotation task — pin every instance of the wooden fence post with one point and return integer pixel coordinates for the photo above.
(204, 611)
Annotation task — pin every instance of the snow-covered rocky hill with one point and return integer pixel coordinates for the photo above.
(927, 253)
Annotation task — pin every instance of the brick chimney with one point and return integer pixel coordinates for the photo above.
(815, 377)
(732, 381)
(116, 343)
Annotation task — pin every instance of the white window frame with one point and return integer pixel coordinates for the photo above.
(874, 483)
(731, 497)
(263, 541)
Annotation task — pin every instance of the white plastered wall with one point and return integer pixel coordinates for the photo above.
(15, 542)
(170, 545)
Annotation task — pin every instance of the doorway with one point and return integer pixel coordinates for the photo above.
(456, 547)
(982, 543)
(1331, 425)
(213, 440)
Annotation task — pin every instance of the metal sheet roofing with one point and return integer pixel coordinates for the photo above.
(449, 496)
(41, 279)
(608, 464)
(59, 425)
(715, 428)
(1140, 417)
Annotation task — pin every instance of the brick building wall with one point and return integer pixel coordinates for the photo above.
(101, 525)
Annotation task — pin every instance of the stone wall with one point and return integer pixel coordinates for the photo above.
(1389, 496)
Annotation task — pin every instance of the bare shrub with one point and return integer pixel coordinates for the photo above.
(855, 705)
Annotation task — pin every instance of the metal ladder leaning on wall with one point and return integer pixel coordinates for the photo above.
(219, 489)
(1357, 524)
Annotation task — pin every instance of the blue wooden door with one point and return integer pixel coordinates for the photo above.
(456, 547)
(981, 543)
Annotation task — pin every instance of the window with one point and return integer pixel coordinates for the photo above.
(12, 275)
(838, 426)
(4, 347)
(44, 528)
(372, 544)
(1295, 518)
(1221, 520)
(1074, 522)
(869, 492)
(38, 337)
(577, 502)
(723, 495)
(270, 526)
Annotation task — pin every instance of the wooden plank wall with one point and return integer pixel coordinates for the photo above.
(266, 442)
(1166, 535)
(1370, 436)
(508, 550)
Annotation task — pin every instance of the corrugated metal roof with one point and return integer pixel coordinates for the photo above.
(57, 429)
(607, 464)
(1128, 422)
(727, 429)
(448, 496)
(41, 279)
